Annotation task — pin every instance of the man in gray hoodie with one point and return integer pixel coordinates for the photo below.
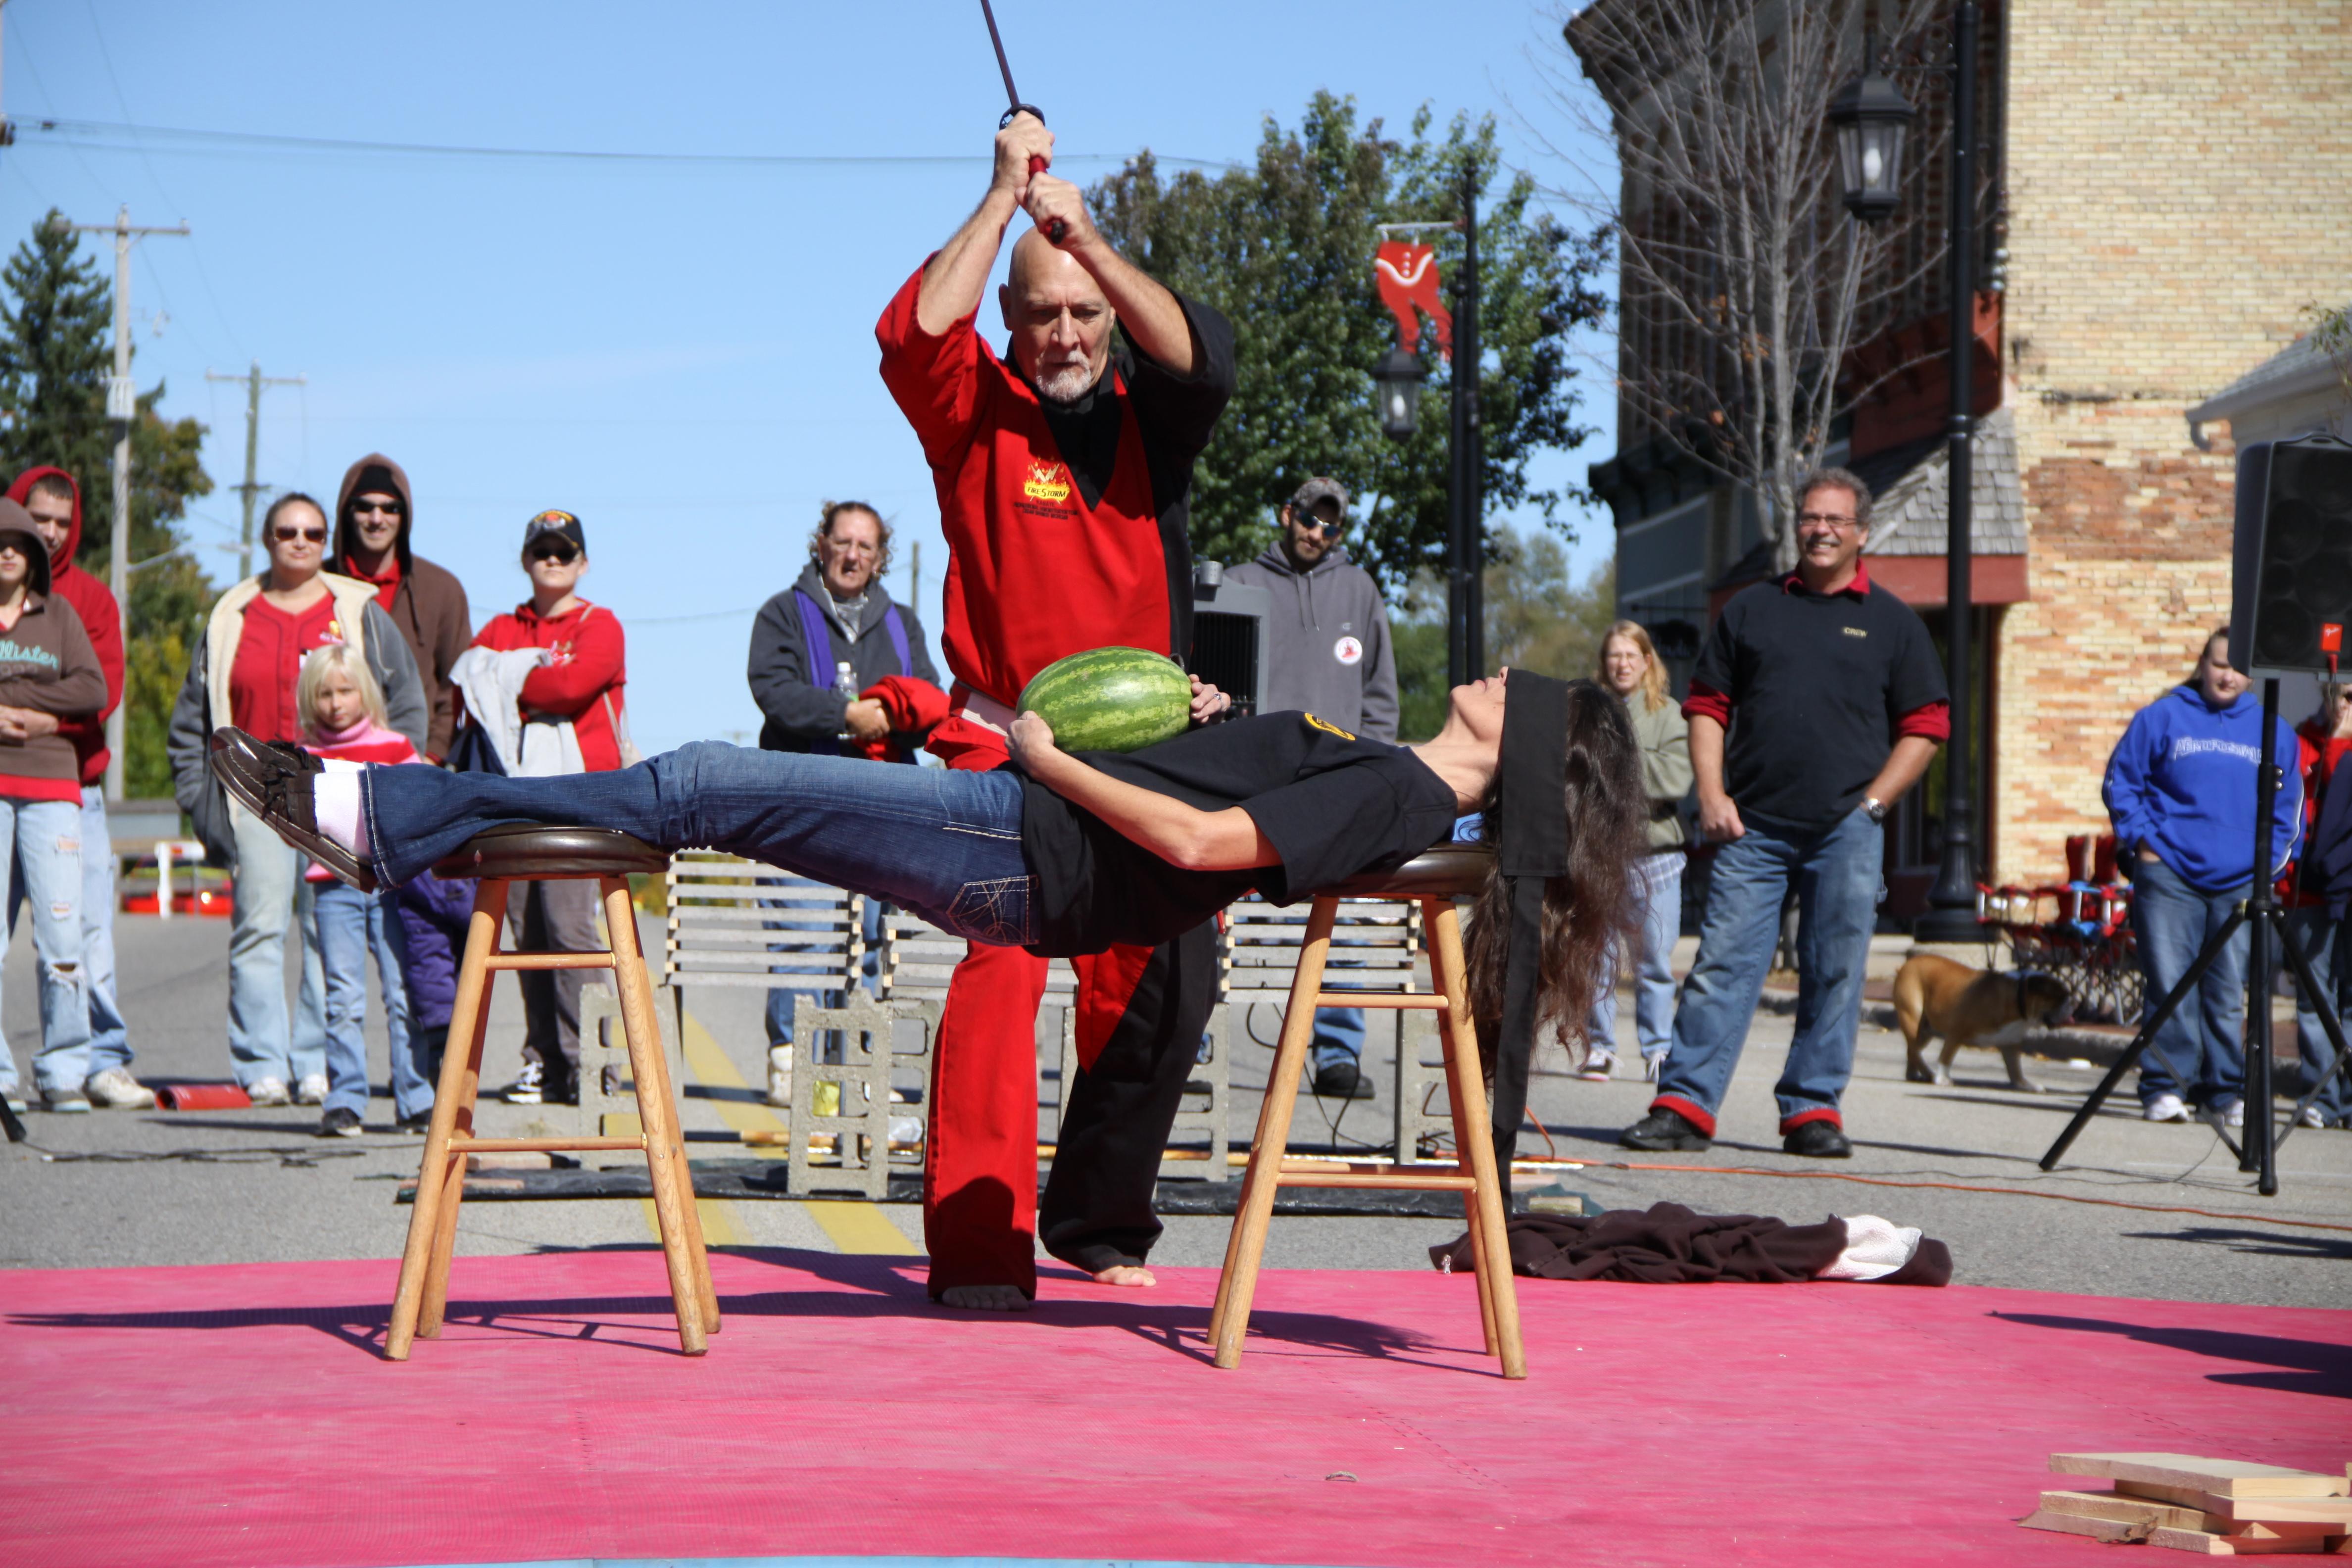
(1328, 653)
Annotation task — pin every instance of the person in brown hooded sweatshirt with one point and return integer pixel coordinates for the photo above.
(48, 669)
(53, 498)
(374, 514)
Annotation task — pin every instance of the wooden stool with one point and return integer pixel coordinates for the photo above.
(530, 853)
(1434, 879)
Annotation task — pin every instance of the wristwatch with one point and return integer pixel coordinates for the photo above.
(1877, 808)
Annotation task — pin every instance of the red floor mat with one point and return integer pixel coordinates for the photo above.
(239, 1414)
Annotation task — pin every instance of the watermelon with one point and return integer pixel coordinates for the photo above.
(1111, 700)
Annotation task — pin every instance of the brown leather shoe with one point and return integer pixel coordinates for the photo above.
(275, 779)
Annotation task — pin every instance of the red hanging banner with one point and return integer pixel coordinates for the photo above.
(1407, 275)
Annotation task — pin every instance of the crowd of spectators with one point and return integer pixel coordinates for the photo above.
(1816, 703)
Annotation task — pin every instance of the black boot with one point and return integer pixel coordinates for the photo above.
(1666, 1131)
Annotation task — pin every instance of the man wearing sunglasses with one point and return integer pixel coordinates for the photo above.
(1328, 653)
(375, 513)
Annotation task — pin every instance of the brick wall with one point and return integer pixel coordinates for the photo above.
(2176, 173)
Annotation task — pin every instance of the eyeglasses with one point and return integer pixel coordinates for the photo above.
(558, 551)
(389, 508)
(1825, 520)
(289, 535)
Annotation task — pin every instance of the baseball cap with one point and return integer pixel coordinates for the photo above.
(558, 522)
(1317, 492)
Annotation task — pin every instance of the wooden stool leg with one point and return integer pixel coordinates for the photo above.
(1451, 1062)
(1259, 1182)
(1472, 1134)
(673, 1198)
(437, 1172)
(453, 1192)
(635, 987)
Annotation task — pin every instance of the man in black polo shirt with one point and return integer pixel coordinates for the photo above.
(1834, 703)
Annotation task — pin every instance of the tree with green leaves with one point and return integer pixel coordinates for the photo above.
(56, 317)
(1285, 247)
(1537, 617)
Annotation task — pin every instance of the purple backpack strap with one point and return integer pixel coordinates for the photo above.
(818, 641)
(898, 638)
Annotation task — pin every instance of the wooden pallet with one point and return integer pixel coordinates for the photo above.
(2221, 1508)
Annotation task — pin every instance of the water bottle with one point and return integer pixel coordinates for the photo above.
(844, 681)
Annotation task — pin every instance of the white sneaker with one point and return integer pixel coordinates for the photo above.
(2237, 1116)
(2167, 1107)
(2311, 1117)
(1651, 1066)
(311, 1090)
(115, 1090)
(1599, 1066)
(268, 1091)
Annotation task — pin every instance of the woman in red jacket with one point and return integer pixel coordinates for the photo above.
(580, 682)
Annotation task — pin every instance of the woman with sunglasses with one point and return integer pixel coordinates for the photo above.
(579, 683)
(243, 672)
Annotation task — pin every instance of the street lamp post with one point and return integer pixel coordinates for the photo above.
(1398, 379)
(1952, 903)
(1465, 642)
(1869, 116)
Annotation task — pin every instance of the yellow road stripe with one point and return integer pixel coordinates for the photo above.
(718, 1222)
(711, 1066)
(852, 1227)
(861, 1227)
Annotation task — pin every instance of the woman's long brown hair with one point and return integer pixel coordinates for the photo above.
(1592, 903)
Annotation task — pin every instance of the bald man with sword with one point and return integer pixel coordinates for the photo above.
(1064, 470)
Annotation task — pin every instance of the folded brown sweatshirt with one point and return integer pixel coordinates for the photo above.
(47, 664)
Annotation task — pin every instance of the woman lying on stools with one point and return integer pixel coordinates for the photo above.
(1067, 855)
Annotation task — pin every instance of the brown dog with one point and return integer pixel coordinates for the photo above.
(1971, 1007)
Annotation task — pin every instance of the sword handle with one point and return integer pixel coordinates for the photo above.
(1057, 229)
(1054, 230)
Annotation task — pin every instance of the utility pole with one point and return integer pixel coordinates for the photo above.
(253, 381)
(914, 576)
(121, 407)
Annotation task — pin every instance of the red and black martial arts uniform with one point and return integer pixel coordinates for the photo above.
(1067, 531)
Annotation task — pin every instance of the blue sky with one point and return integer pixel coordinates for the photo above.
(681, 354)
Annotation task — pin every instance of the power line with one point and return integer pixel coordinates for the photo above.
(124, 137)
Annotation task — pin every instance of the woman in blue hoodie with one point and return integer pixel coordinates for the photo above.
(2180, 791)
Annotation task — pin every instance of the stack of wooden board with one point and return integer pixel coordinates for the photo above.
(2222, 1508)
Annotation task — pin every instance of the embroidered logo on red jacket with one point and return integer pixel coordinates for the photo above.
(1047, 482)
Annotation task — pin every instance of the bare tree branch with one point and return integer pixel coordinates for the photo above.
(1744, 288)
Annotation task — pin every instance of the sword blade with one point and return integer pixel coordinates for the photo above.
(1011, 93)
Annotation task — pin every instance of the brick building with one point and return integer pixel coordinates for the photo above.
(2166, 197)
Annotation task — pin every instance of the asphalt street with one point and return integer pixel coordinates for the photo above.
(144, 1188)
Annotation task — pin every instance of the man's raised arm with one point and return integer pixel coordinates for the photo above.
(1154, 321)
(958, 275)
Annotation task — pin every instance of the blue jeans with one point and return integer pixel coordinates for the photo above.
(2203, 1038)
(943, 844)
(269, 893)
(2328, 944)
(1338, 1035)
(345, 926)
(1661, 882)
(1836, 870)
(781, 1000)
(41, 841)
(109, 1043)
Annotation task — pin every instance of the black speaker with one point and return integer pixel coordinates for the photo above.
(1229, 622)
(2291, 588)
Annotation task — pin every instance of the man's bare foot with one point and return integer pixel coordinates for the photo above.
(1133, 1276)
(986, 1297)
